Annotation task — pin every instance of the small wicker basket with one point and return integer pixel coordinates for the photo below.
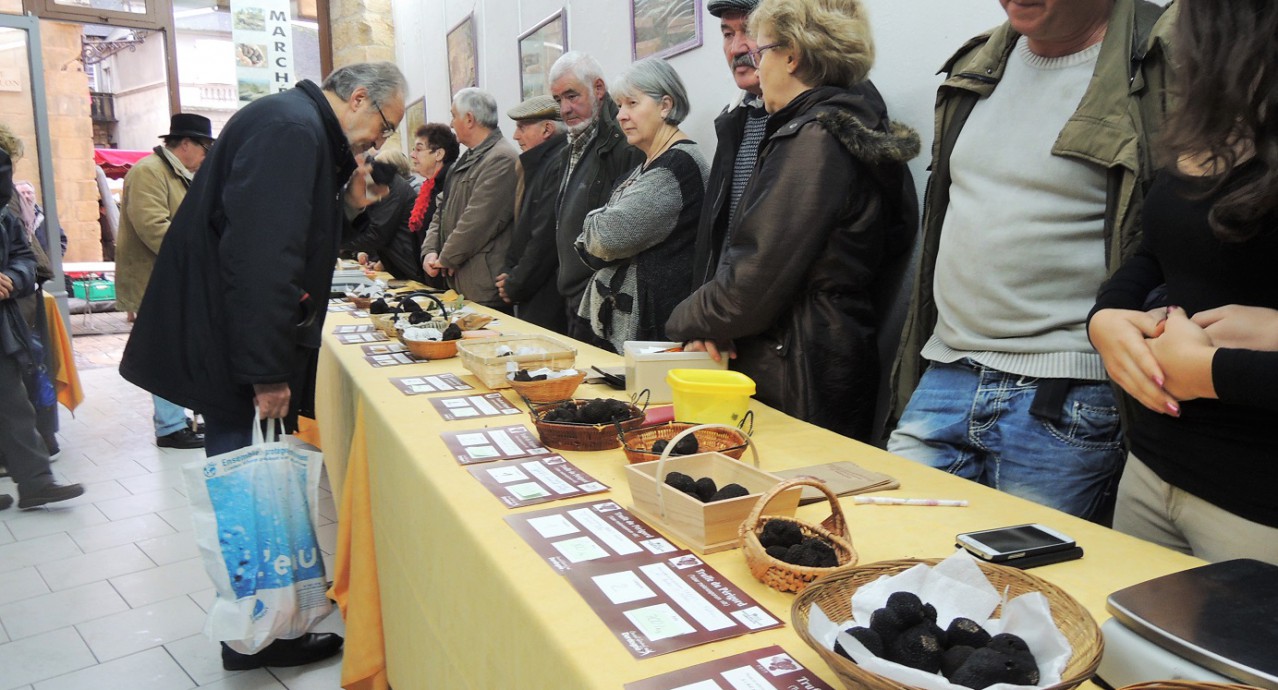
(430, 349)
(481, 359)
(570, 436)
(1186, 685)
(719, 439)
(834, 595)
(385, 323)
(788, 577)
(361, 302)
(549, 390)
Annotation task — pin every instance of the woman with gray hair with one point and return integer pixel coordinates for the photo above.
(640, 243)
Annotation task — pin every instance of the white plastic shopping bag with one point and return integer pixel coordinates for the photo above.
(255, 513)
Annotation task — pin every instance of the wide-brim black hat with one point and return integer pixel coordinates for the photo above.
(718, 7)
(190, 125)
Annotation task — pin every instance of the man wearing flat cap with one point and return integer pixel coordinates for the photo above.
(153, 190)
(739, 129)
(528, 281)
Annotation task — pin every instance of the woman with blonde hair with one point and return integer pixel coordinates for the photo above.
(830, 201)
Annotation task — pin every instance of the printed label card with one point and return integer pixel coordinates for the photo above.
(359, 313)
(384, 348)
(667, 603)
(497, 443)
(769, 668)
(535, 480)
(417, 385)
(354, 328)
(359, 338)
(473, 406)
(337, 305)
(568, 535)
(393, 359)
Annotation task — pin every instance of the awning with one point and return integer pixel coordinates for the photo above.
(116, 162)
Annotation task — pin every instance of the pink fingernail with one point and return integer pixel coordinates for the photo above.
(1158, 380)
(1173, 408)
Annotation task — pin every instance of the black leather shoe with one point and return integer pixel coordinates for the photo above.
(303, 650)
(183, 438)
(5, 501)
(49, 494)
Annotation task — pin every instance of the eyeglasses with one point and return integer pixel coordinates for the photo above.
(420, 148)
(387, 128)
(204, 146)
(757, 54)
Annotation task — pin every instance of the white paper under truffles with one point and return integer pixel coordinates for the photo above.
(957, 588)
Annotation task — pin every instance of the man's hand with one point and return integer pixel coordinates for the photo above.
(716, 350)
(1120, 336)
(271, 399)
(377, 266)
(501, 288)
(361, 258)
(1185, 352)
(359, 193)
(1236, 326)
(6, 285)
(430, 264)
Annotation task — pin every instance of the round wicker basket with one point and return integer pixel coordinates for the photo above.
(834, 594)
(719, 439)
(549, 390)
(361, 302)
(430, 349)
(569, 436)
(1186, 685)
(788, 577)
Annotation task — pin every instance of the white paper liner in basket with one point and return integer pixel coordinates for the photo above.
(956, 587)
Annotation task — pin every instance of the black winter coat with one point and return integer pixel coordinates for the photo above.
(532, 258)
(240, 288)
(18, 261)
(383, 233)
(606, 159)
(830, 200)
(729, 127)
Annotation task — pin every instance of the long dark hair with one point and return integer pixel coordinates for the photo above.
(1226, 86)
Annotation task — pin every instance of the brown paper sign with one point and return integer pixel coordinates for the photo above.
(769, 668)
(473, 407)
(436, 383)
(843, 478)
(530, 481)
(497, 443)
(567, 535)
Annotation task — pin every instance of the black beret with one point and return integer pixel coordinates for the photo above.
(718, 7)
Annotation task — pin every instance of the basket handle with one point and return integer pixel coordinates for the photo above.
(836, 523)
(661, 461)
(646, 394)
(748, 417)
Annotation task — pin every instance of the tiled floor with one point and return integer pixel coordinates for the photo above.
(107, 591)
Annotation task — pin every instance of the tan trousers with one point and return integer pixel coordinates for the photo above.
(1153, 510)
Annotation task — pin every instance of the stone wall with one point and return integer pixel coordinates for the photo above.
(362, 31)
(71, 133)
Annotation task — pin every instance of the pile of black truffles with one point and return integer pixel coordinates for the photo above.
(597, 411)
(524, 377)
(905, 631)
(785, 541)
(704, 489)
(686, 446)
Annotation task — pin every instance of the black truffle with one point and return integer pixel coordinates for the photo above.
(966, 632)
(777, 552)
(780, 533)
(705, 489)
(681, 482)
(686, 445)
(887, 624)
(419, 317)
(604, 411)
(378, 306)
(660, 446)
(820, 553)
(929, 612)
(453, 332)
(907, 606)
(409, 304)
(1007, 643)
(953, 658)
(565, 412)
(870, 639)
(985, 667)
(729, 491)
(918, 648)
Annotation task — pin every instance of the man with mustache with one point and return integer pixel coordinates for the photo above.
(1041, 162)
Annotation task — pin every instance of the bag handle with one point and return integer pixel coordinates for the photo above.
(836, 524)
(661, 461)
(257, 436)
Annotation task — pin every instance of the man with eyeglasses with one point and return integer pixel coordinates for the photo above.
(153, 190)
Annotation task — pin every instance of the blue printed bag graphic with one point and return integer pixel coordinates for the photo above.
(255, 513)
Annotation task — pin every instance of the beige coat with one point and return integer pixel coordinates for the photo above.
(471, 227)
(153, 190)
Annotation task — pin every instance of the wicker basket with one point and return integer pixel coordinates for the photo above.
(569, 436)
(430, 349)
(719, 439)
(480, 357)
(385, 323)
(788, 577)
(834, 594)
(1186, 685)
(361, 302)
(549, 390)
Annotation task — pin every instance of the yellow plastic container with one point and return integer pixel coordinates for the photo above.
(710, 396)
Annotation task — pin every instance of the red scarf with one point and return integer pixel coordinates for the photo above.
(418, 217)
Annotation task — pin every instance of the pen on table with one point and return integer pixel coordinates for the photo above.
(884, 501)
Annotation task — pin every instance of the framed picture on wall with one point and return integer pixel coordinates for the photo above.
(463, 56)
(414, 117)
(661, 28)
(539, 47)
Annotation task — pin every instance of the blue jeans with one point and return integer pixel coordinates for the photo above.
(975, 422)
(168, 417)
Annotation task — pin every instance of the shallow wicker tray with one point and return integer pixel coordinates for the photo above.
(361, 302)
(568, 436)
(480, 357)
(430, 349)
(718, 439)
(1186, 685)
(549, 390)
(788, 577)
(834, 594)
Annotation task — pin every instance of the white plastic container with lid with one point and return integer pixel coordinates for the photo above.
(647, 364)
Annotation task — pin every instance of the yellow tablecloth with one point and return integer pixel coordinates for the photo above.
(465, 603)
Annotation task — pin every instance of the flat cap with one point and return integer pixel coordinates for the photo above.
(718, 7)
(535, 108)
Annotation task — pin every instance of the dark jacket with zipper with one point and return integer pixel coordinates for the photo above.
(606, 159)
(18, 262)
(382, 232)
(829, 203)
(729, 128)
(532, 259)
(1113, 126)
(240, 289)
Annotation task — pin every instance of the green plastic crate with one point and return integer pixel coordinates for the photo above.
(94, 290)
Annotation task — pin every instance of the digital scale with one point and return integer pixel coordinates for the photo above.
(1215, 623)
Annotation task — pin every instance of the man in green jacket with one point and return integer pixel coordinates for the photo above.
(153, 190)
(1040, 163)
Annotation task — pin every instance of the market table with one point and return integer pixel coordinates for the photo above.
(465, 603)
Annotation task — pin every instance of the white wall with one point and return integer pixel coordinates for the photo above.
(913, 37)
